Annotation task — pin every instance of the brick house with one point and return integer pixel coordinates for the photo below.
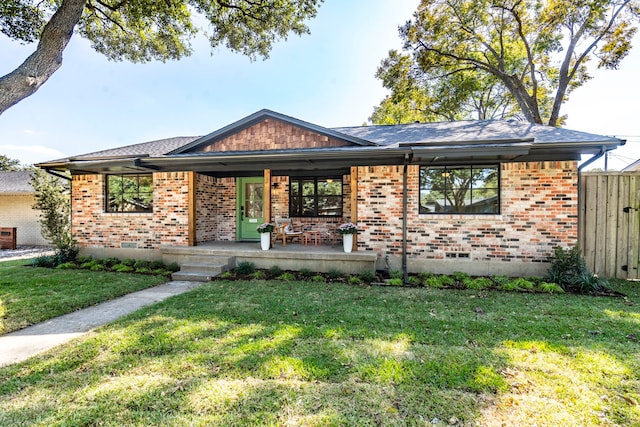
(478, 196)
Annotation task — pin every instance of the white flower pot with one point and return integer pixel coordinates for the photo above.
(347, 242)
(265, 241)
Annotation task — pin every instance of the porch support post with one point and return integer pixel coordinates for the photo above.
(192, 208)
(267, 195)
(354, 202)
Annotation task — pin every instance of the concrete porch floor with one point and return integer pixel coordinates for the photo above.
(294, 256)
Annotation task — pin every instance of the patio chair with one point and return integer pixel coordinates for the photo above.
(285, 229)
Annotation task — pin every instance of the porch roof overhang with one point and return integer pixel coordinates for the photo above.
(338, 158)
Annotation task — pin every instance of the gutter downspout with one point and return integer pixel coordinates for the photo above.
(603, 151)
(404, 218)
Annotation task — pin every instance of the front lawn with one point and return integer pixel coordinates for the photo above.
(29, 295)
(303, 353)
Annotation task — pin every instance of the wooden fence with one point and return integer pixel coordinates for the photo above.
(610, 223)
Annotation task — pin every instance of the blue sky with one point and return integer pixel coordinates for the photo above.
(326, 78)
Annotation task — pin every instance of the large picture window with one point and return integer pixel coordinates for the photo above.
(130, 193)
(460, 190)
(315, 197)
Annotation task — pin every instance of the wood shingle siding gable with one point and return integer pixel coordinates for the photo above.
(272, 134)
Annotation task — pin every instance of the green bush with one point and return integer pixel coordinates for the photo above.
(94, 264)
(129, 261)
(143, 270)
(157, 265)
(226, 275)
(47, 261)
(415, 281)
(425, 275)
(396, 274)
(524, 284)
(142, 263)
(110, 262)
(461, 277)
(446, 280)
(395, 281)
(500, 280)
(245, 268)
(259, 275)
(173, 267)
(275, 271)
(84, 259)
(354, 280)
(368, 276)
(433, 282)
(122, 268)
(287, 277)
(334, 274)
(478, 283)
(569, 270)
(318, 278)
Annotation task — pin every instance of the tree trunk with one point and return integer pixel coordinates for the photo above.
(40, 65)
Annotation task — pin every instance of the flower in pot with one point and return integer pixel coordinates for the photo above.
(265, 235)
(347, 231)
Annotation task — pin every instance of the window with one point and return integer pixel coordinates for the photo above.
(459, 189)
(130, 193)
(315, 197)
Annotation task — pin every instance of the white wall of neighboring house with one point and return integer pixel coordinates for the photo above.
(16, 211)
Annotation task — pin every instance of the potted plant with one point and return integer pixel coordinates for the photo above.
(265, 230)
(347, 231)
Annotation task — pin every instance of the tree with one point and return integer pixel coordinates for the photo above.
(140, 31)
(537, 49)
(7, 164)
(417, 96)
(53, 199)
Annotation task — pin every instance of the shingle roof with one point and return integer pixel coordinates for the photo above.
(467, 131)
(151, 148)
(15, 182)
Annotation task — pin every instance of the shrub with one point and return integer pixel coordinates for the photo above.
(275, 271)
(368, 276)
(142, 263)
(424, 276)
(91, 264)
(245, 268)
(461, 277)
(524, 284)
(287, 277)
(334, 274)
(446, 280)
(395, 281)
(143, 270)
(259, 275)
(432, 282)
(478, 283)
(569, 270)
(156, 265)
(129, 261)
(354, 280)
(96, 266)
(396, 274)
(67, 266)
(122, 268)
(226, 275)
(173, 267)
(110, 262)
(500, 280)
(415, 281)
(318, 278)
(48, 261)
(84, 259)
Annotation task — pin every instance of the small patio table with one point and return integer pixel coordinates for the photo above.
(312, 236)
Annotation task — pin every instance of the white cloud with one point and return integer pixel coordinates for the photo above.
(30, 154)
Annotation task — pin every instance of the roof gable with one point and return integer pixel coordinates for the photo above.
(268, 130)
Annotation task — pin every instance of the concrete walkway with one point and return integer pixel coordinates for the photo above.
(20, 345)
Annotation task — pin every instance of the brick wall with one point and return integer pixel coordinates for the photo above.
(539, 209)
(167, 225)
(272, 134)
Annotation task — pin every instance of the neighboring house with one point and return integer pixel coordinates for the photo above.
(16, 200)
(478, 196)
(633, 167)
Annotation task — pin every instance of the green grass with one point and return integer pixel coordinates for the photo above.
(304, 353)
(30, 295)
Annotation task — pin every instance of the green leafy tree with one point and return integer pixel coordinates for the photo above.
(140, 31)
(537, 49)
(8, 164)
(417, 96)
(53, 199)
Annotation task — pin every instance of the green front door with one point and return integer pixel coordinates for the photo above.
(249, 207)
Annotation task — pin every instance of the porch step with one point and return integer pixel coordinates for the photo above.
(202, 269)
